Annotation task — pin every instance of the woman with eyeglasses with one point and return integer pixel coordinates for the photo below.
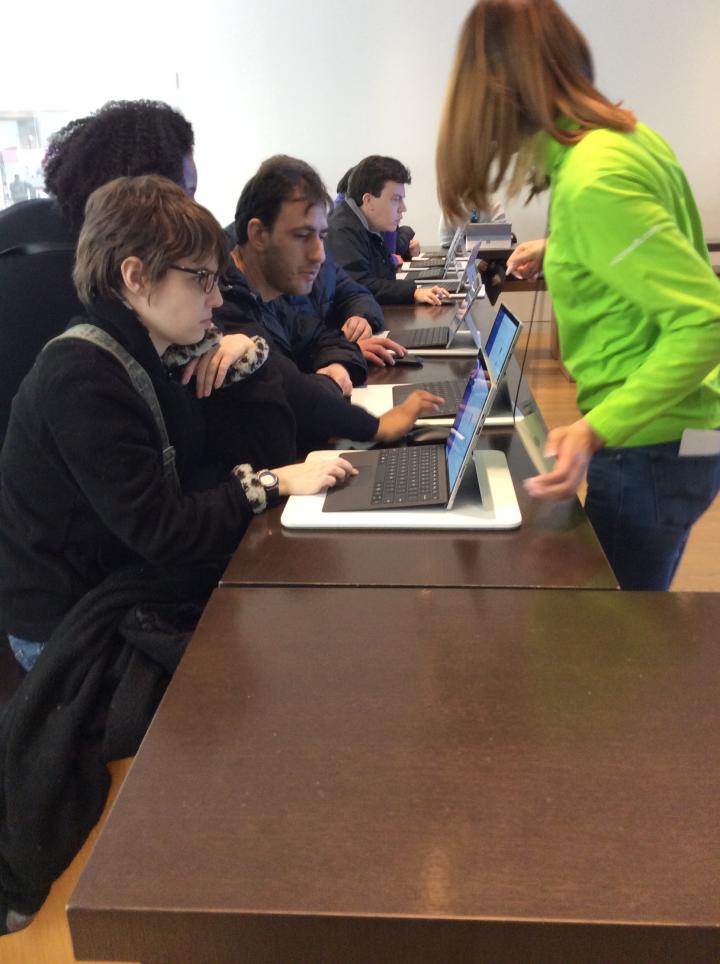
(88, 483)
(636, 300)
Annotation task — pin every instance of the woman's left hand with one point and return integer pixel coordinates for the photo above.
(573, 446)
(211, 368)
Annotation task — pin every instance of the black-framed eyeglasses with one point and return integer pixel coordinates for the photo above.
(206, 279)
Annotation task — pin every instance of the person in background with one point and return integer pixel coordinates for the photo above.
(280, 284)
(446, 228)
(20, 190)
(121, 138)
(636, 300)
(375, 202)
(402, 243)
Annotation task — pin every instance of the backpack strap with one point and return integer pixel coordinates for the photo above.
(141, 383)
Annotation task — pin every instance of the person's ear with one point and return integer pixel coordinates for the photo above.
(367, 199)
(257, 234)
(133, 276)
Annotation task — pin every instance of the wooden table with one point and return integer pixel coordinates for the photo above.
(555, 547)
(414, 775)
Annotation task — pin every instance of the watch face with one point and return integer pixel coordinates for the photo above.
(268, 479)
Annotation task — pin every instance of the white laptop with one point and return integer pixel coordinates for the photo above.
(422, 486)
(439, 339)
(450, 270)
(498, 348)
(492, 239)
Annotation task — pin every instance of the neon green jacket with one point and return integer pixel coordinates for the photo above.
(636, 301)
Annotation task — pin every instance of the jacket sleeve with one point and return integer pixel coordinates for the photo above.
(352, 253)
(352, 298)
(331, 347)
(305, 332)
(251, 421)
(321, 410)
(109, 447)
(405, 234)
(638, 251)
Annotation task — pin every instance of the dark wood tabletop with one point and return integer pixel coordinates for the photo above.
(555, 547)
(423, 775)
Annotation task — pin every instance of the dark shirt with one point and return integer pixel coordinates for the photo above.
(307, 328)
(365, 257)
(320, 409)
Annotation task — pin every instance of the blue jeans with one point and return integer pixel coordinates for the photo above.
(25, 651)
(642, 503)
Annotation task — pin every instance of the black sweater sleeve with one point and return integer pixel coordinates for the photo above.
(321, 410)
(108, 445)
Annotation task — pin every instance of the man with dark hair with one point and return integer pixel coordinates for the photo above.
(375, 203)
(312, 312)
(402, 244)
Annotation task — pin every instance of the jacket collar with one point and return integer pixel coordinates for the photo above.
(553, 151)
(120, 321)
(357, 212)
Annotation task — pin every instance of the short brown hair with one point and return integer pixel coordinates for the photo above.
(520, 66)
(147, 217)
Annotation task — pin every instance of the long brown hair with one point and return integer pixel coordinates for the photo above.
(520, 66)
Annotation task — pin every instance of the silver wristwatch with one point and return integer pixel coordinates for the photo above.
(270, 482)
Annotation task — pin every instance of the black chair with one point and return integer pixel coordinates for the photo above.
(11, 672)
(37, 299)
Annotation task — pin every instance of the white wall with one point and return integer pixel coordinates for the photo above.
(332, 81)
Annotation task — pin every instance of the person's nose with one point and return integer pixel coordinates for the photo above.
(215, 299)
(317, 252)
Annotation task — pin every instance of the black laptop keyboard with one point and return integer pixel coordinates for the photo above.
(428, 263)
(452, 391)
(409, 476)
(435, 337)
(433, 274)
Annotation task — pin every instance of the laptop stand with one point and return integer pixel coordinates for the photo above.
(486, 500)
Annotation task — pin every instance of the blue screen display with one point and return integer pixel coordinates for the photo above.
(500, 341)
(468, 417)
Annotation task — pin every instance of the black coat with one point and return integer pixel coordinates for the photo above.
(321, 412)
(37, 295)
(365, 257)
(307, 329)
(82, 490)
(88, 700)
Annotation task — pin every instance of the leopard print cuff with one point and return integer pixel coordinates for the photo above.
(250, 482)
(255, 356)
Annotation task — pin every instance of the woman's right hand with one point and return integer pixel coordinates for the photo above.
(307, 478)
(399, 420)
(211, 368)
(526, 261)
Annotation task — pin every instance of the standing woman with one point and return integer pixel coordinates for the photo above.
(636, 300)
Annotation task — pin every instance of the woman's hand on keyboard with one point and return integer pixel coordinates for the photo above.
(307, 478)
(399, 420)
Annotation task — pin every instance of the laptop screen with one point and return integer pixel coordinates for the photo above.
(454, 245)
(470, 416)
(501, 340)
